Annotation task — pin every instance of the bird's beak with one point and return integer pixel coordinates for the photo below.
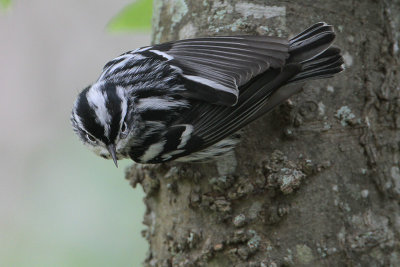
(111, 149)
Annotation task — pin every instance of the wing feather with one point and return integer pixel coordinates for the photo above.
(211, 123)
(213, 68)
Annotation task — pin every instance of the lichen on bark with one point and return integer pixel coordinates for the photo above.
(314, 183)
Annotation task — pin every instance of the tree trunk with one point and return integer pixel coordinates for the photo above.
(314, 183)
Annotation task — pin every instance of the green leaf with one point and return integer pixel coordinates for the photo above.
(134, 17)
(5, 3)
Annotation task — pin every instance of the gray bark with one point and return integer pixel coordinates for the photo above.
(314, 183)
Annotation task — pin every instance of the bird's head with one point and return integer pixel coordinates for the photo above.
(98, 118)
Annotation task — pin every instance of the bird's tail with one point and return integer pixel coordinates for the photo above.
(311, 53)
(325, 65)
(311, 48)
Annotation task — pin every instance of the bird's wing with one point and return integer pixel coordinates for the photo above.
(215, 123)
(203, 125)
(213, 68)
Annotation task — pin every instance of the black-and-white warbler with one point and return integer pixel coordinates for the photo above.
(185, 100)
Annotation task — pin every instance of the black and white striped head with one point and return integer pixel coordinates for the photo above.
(98, 118)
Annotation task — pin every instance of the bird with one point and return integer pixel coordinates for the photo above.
(187, 100)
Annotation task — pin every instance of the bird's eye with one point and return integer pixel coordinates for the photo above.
(124, 130)
(123, 127)
(90, 138)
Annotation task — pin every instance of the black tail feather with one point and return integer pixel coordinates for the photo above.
(325, 65)
(311, 48)
(311, 51)
(311, 42)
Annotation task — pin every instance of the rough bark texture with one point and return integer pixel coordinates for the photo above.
(314, 183)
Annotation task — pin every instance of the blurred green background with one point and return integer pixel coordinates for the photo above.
(60, 205)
